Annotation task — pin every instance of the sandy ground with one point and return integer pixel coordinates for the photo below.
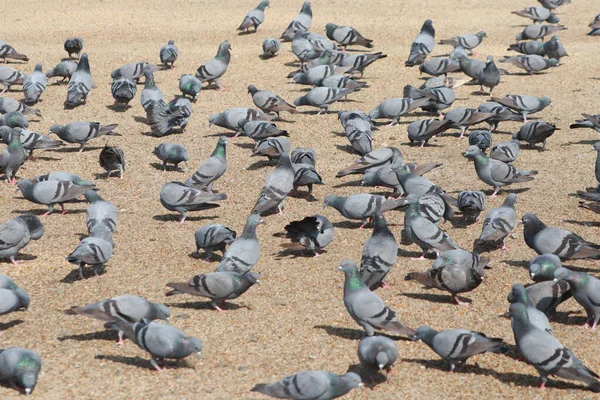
(296, 319)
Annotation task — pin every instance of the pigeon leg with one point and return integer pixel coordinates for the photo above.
(390, 372)
(458, 302)
(317, 254)
(81, 264)
(15, 262)
(504, 247)
(594, 326)
(422, 257)
(155, 365)
(50, 209)
(585, 326)
(495, 192)
(182, 220)
(82, 147)
(462, 132)
(62, 207)
(216, 306)
(120, 342)
(386, 285)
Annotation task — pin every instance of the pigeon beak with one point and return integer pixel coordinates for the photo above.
(257, 282)
(198, 354)
(340, 268)
(555, 279)
(415, 338)
(27, 391)
(381, 367)
(361, 386)
(532, 275)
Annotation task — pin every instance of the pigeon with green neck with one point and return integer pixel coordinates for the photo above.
(311, 385)
(536, 317)
(12, 158)
(212, 169)
(20, 368)
(542, 267)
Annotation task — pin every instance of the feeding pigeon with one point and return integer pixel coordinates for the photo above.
(311, 385)
(123, 90)
(506, 151)
(73, 45)
(377, 353)
(553, 48)
(112, 160)
(80, 84)
(359, 206)
(499, 222)
(14, 119)
(213, 70)
(16, 233)
(489, 76)
(8, 105)
(480, 138)
(303, 155)
(244, 252)
(102, 216)
(94, 251)
(439, 98)
(534, 32)
(394, 108)
(81, 132)
(535, 132)
(531, 63)
(270, 47)
(463, 118)
(171, 153)
(306, 175)
(321, 97)
(64, 69)
(176, 196)
(439, 66)
(530, 47)
(231, 118)
(10, 76)
(376, 158)
(20, 367)
(163, 119)
(134, 70)
(169, 53)
(347, 36)
(151, 94)
(542, 267)
(311, 233)
(190, 85)
(269, 101)
(213, 237)
(9, 52)
(272, 148)
(501, 113)
(471, 203)
(64, 176)
(259, 130)
(51, 192)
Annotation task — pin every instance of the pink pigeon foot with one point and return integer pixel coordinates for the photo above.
(458, 302)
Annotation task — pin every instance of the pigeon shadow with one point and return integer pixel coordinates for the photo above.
(435, 298)
(520, 264)
(412, 254)
(375, 377)
(342, 134)
(259, 165)
(140, 362)
(292, 64)
(19, 257)
(244, 33)
(507, 191)
(348, 225)
(265, 58)
(352, 334)
(8, 325)
(159, 166)
(41, 211)
(566, 318)
(245, 145)
(347, 148)
(108, 335)
(177, 217)
(120, 108)
(582, 223)
(587, 142)
(206, 305)
(486, 247)
(143, 120)
(462, 222)
(76, 149)
(315, 112)
(203, 257)
(88, 272)
(347, 184)
(296, 253)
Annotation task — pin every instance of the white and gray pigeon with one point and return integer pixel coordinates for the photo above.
(536, 317)
(9, 77)
(311, 385)
(112, 159)
(534, 132)
(542, 267)
(8, 105)
(169, 53)
(270, 48)
(254, 18)
(164, 119)
(212, 169)
(394, 108)
(151, 94)
(16, 233)
(34, 85)
(506, 152)
(377, 353)
(12, 158)
(439, 98)
(471, 203)
(80, 84)
(463, 118)
(531, 63)
(213, 70)
(496, 173)
(101, 216)
(190, 86)
(306, 175)
(176, 196)
(171, 153)
(51, 192)
(80, 132)
(73, 45)
(553, 48)
(9, 52)
(64, 69)
(379, 253)
(123, 91)
(20, 367)
(586, 291)
(359, 206)
(457, 345)
(535, 32)
(499, 222)
(259, 130)
(278, 185)
(439, 66)
(302, 22)
(347, 36)
(94, 251)
(538, 14)
(546, 354)
(311, 233)
(217, 286)
(213, 237)
(422, 45)
(366, 308)
(321, 97)
(468, 41)
(244, 252)
(270, 102)
(160, 340)
(567, 245)
(231, 117)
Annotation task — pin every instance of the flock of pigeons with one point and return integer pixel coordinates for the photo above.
(325, 65)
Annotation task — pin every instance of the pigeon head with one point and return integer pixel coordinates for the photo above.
(161, 311)
(348, 267)
(91, 196)
(254, 220)
(26, 373)
(252, 89)
(510, 200)
(562, 274)
(34, 225)
(519, 36)
(553, 19)
(23, 298)
(171, 42)
(472, 152)
(224, 48)
(306, 8)
(542, 268)
(596, 146)
(6, 132)
(329, 28)
(252, 277)
(423, 333)
(518, 295)
(518, 311)
(84, 64)
(553, 62)
(222, 140)
(351, 380)
(545, 101)
(24, 184)
(428, 27)
(216, 119)
(192, 344)
(55, 128)
(329, 200)
(481, 34)
(302, 78)
(379, 220)
(382, 360)
(38, 67)
(301, 101)
(263, 4)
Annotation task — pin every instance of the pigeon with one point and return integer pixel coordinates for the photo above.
(422, 45)
(93, 251)
(169, 53)
(439, 98)
(471, 203)
(545, 353)
(172, 153)
(163, 119)
(123, 91)
(10, 76)
(8, 105)
(565, 244)
(531, 47)
(64, 176)
(590, 121)
(231, 118)
(537, 318)
(272, 148)
(112, 160)
(321, 97)
(499, 222)
(125, 307)
(538, 14)
(347, 36)
(355, 62)
(394, 108)
(16, 233)
(176, 196)
(254, 18)
(379, 253)
(384, 176)
(467, 42)
(301, 22)
(411, 183)
(14, 119)
(489, 76)
(585, 289)
(190, 86)
(73, 45)
(80, 84)
(269, 101)
(346, 117)
(9, 52)
(303, 155)
(151, 94)
(457, 345)
(81, 132)
(309, 385)
(553, 48)
(534, 32)
(13, 299)
(506, 151)
(435, 205)
(361, 140)
(316, 74)
(306, 175)
(358, 206)
(531, 63)
(134, 70)
(501, 113)
(270, 47)
(244, 252)
(366, 308)
(311, 233)
(20, 367)
(454, 271)
(480, 138)
(496, 173)
(439, 66)
(12, 158)
(341, 82)
(64, 69)
(210, 170)
(213, 70)
(160, 340)
(278, 185)
(547, 295)
(376, 158)
(471, 67)
(213, 237)
(535, 132)
(34, 85)
(542, 267)
(102, 216)
(259, 130)
(553, 4)
(304, 49)
(463, 118)
(377, 353)
(595, 25)
(217, 286)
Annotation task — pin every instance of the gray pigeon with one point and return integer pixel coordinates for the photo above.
(463, 118)
(359, 206)
(112, 160)
(534, 32)
(80, 84)
(457, 345)
(93, 251)
(590, 121)
(454, 271)
(14, 119)
(64, 176)
(34, 85)
(12, 158)
(542, 267)
(258, 130)
(374, 159)
(313, 76)
(537, 318)
(531, 63)
(384, 176)
(13, 299)
(499, 222)
(81, 132)
(73, 45)
(244, 252)
(595, 25)
(439, 98)
(411, 183)
(535, 132)
(64, 69)
(443, 81)
(254, 17)
(7, 51)
(123, 91)
(278, 185)
(496, 173)
(394, 108)
(213, 237)
(102, 216)
(471, 203)
(176, 196)
(269, 101)
(538, 14)
(422, 45)
(379, 253)
(16, 233)
(8, 105)
(164, 119)
(355, 62)
(125, 307)
(20, 367)
(171, 153)
(565, 244)
(301, 22)
(10, 76)
(311, 233)
(231, 118)
(377, 353)
(134, 70)
(545, 353)
(435, 205)
(321, 97)
(272, 148)
(489, 76)
(347, 36)
(210, 170)
(347, 117)
(306, 175)
(270, 47)
(51, 192)
(366, 308)
(501, 113)
(303, 155)
(586, 291)
(213, 70)
(439, 66)
(530, 47)
(217, 286)
(360, 139)
(151, 94)
(506, 151)
(471, 66)
(169, 53)
(311, 385)
(468, 41)
(547, 295)
(160, 340)
(190, 85)
(553, 48)
(480, 138)
(553, 4)
(341, 82)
